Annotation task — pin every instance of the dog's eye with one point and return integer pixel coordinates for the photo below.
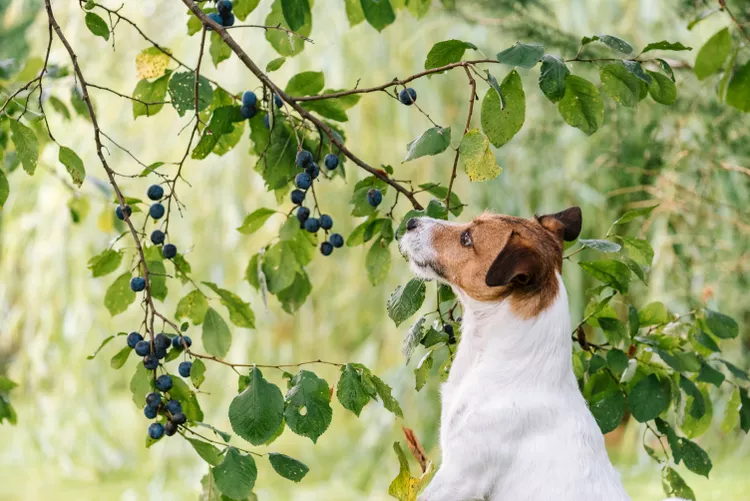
(466, 239)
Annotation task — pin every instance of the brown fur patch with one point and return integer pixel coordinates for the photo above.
(510, 257)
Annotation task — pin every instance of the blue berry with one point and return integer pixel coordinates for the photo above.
(157, 237)
(133, 339)
(169, 251)
(142, 348)
(374, 197)
(224, 7)
(170, 428)
(304, 159)
(155, 192)
(160, 353)
(150, 412)
(161, 342)
(184, 368)
(408, 96)
(153, 399)
(150, 362)
(156, 431)
(177, 342)
(120, 215)
(267, 121)
(303, 181)
(326, 248)
(326, 222)
(331, 161)
(249, 98)
(179, 418)
(248, 111)
(156, 211)
(278, 101)
(215, 17)
(302, 214)
(312, 225)
(163, 382)
(173, 406)
(188, 341)
(137, 284)
(336, 240)
(298, 196)
(313, 170)
(227, 20)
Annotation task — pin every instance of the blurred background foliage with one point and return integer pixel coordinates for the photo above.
(78, 434)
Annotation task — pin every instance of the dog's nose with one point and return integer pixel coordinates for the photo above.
(412, 223)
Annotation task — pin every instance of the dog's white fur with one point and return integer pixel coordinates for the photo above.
(514, 425)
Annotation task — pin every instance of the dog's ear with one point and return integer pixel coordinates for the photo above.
(517, 263)
(565, 224)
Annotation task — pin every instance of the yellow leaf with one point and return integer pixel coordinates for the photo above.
(151, 63)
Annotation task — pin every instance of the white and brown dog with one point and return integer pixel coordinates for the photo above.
(514, 425)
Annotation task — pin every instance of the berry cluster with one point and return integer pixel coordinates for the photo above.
(303, 181)
(224, 15)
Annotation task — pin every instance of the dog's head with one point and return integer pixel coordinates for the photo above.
(494, 257)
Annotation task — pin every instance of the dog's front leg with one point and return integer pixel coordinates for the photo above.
(455, 482)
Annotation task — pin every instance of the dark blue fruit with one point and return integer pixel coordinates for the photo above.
(267, 121)
(150, 362)
(248, 111)
(177, 342)
(374, 197)
(169, 251)
(161, 341)
(156, 431)
(215, 17)
(313, 170)
(249, 98)
(451, 336)
(150, 412)
(133, 339)
(326, 248)
(336, 240)
(156, 211)
(302, 214)
(326, 222)
(407, 96)
(179, 418)
(184, 368)
(157, 237)
(298, 196)
(153, 399)
(142, 348)
(228, 20)
(188, 341)
(278, 101)
(224, 7)
(303, 181)
(312, 225)
(331, 161)
(137, 284)
(119, 214)
(160, 353)
(173, 406)
(155, 192)
(163, 382)
(304, 159)
(170, 428)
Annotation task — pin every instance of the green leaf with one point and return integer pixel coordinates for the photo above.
(405, 487)
(432, 142)
(610, 41)
(150, 92)
(406, 300)
(653, 314)
(182, 393)
(744, 411)
(617, 361)
(378, 261)
(608, 409)
(329, 108)
(73, 164)
(738, 91)
(216, 335)
(6, 384)
(306, 83)
(97, 25)
(496, 87)
(257, 412)
(157, 279)
(120, 357)
(695, 458)
(620, 84)
(611, 272)
(413, 338)
(242, 8)
(218, 49)
(239, 311)
(193, 306)
(119, 295)
(662, 89)
(384, 392)
(182, 92)
(235, 476)
(600, 245)
(359, 198)
(27, 147)
(208, 452)
(708, 374)
(221, 124)
(294, 296)
(552, 77)
(288, 467)
(354, 12)
(440, 192)
(275, 64)
(4, 188)
(102, 345)
(639, 250)
(284, 44)
(422, 371)
(581, 106)
(295, 12)
(447, 52)
(351, 391)
(664, 45)
(140, 385)
(720, 325)
(522, 55)
(712, 55)
(732, 412)
(477, 158)
(649, 398)
(378, 13)
(105, 262)
(255, 220)
(197, 372)
(308, 410)
(501, 124)
(674, 485)
(634, 214)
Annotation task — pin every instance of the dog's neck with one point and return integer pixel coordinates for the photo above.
(515, 351)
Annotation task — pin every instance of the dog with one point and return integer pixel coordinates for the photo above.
(514, 425)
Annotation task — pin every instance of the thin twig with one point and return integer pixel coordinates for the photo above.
(472, 98)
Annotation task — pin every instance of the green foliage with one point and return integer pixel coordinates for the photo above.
(501, 123)
(447, 52)
(433, 141)
(288, 467)
(581, 106)
(235, 476)
(217, 338)
(257, 412)
(307, 409)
